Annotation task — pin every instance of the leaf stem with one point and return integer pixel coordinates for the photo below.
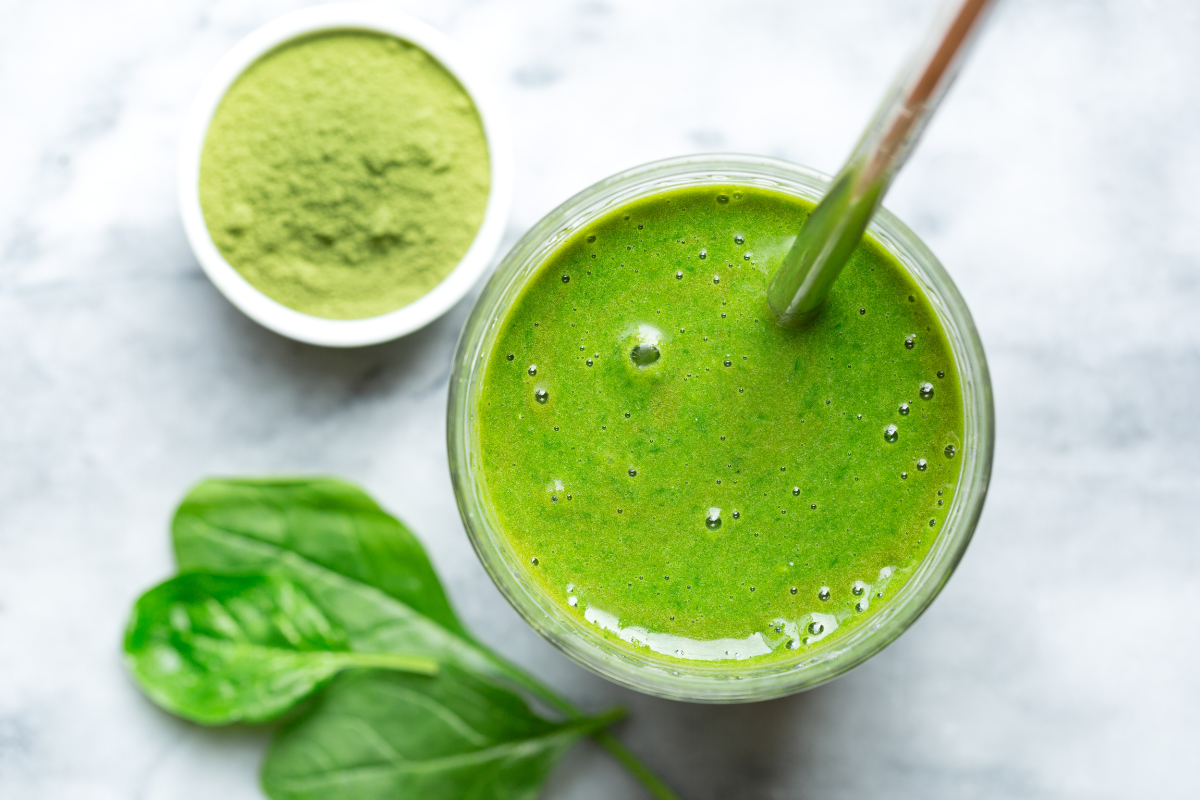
(620, 752)
(635, 765)
(421, 665)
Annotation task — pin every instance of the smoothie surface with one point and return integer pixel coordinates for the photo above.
(671, 467)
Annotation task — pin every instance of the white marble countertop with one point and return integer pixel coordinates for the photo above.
(1059, 187)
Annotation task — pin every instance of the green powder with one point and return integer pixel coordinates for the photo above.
(345, 174)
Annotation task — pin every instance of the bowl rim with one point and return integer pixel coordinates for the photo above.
(651, 675)
(274, 315)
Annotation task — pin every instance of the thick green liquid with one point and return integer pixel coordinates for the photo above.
(608, 476)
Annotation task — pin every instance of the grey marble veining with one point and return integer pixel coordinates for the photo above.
(1058, 186)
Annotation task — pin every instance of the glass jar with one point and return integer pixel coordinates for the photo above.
(587, 645)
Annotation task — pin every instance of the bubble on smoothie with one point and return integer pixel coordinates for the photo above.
(926, 390)
(704, 254)
(713, 520)
(903, 476)
(572, 601)
(949, 451)
(589, 362)
(794, 590)
(643, 342)
(591, 238)
(633, 473)
(922, 464)
(510, 356)
(534, 561)
(816, 628)
(858, 589)
(910, 341)
(728, 363)
(541, 395)
(679, 275)
(746, 256)
(717, 279)
(792, 644)
(823, 593)
(722, 199)
(739, 239)
(566, 278)
(891, 433)
(903, 409)
(644, 354)
(736, 513)
(796, 491)
(532, 369)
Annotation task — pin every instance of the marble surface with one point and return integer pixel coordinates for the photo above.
(1058, 186)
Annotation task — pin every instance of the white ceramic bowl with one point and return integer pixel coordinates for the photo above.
(275, 315)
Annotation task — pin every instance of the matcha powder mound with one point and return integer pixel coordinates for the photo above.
(344, 175)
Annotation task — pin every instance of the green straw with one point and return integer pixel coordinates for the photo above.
(837, 223)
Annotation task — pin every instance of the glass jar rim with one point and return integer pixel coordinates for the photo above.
(691, 680)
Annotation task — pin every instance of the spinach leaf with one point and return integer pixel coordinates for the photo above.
(329, 522)
(219, 648)
(374, 735)
(361, 565)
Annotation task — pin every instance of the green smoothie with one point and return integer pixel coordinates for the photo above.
(677, 471)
